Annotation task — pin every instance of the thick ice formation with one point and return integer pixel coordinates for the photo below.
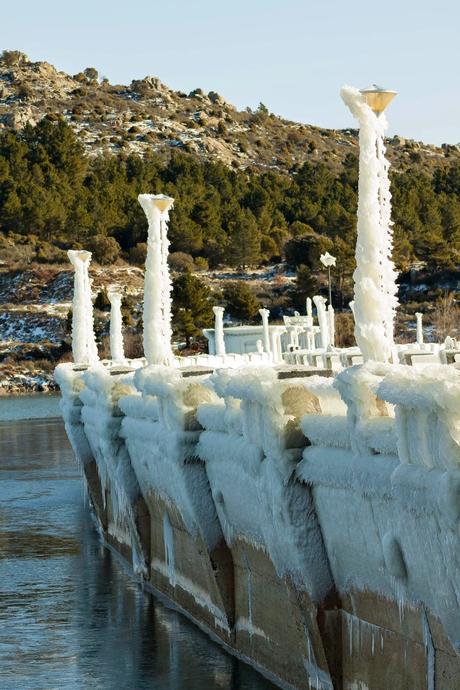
(251, 445)
(375, 298)
(157, 286)
(84, 348)
(116, 335)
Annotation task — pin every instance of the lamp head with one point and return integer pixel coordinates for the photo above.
(377, 98)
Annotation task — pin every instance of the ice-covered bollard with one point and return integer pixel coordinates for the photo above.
(116, 336)
(419, 317)
(375, 299)
(309, 308)
(219, 331)
(265, 313)
(157, 284)
(84, 348)
(323, 320)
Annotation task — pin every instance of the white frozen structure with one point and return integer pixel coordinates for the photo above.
(265, 313)
(84, 347)
(323, 320)
(419, 317)
(301, 519)
(157, 285)
(375, 298)
(116, 334)
(219, 330)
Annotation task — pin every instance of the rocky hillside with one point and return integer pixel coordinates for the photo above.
(147, 115)
(34, 319)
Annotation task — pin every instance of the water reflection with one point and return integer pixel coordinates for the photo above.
(70, 616)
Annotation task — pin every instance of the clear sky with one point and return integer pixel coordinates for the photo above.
(293, 55)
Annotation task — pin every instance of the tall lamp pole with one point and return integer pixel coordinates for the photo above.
(328, 260)
(375, 293)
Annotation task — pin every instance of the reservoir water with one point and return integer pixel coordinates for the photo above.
(71, 615)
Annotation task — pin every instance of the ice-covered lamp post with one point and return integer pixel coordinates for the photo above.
(419, 317)
(157, 283)
(219, 341)
(84, 347)
(328, 260)
(116, 335)
(375, 292)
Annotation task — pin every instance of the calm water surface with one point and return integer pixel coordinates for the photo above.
(71, 617)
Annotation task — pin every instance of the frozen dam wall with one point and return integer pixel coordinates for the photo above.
(309, 523)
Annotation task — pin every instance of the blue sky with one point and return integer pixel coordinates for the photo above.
(292, 55)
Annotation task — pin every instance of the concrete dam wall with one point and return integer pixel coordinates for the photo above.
(310, 524)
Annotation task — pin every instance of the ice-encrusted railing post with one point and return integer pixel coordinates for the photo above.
(419, 317)
(309, 325)
(265, 313)
(157, 283)
(116, 335)
(375, 299)
(323, 320)
(219, 341)
(84, 347)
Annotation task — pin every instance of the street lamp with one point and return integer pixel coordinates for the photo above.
(377, 98)
(328, 260)
(375, 289)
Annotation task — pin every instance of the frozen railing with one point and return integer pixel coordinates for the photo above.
(251, 444)
(427, 405)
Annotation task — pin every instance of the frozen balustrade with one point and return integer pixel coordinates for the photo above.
(251, 444)
(427, 408)
(102, 418)
(161, 431)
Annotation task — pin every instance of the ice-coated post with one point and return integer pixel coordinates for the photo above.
(331, 323)
(419, 317)
(219, 342)
(116, 336)
(323, 320)
(260, 347)
(265, 313)
(375, 299)
(84, 348)
(157, 282)
(309, 308)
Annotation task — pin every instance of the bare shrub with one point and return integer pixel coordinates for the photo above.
(344, 329)
(446, 317)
